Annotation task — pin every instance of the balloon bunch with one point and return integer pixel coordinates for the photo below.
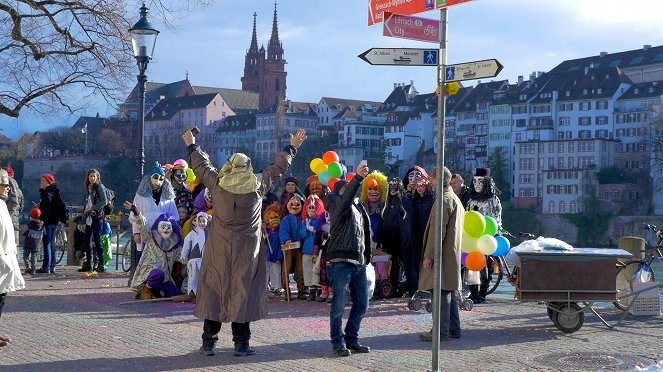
(479, 240)
(329, 169)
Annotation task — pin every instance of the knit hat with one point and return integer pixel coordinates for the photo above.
(158, 169)
(291, 179)
(482, 172)
(49, 178)
(35, 213)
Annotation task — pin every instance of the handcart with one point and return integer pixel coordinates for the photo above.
(569, 282)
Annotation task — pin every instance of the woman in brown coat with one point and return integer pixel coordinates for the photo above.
(452, 232)
(232, 280)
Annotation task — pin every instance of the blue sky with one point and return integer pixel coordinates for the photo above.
(323, 38)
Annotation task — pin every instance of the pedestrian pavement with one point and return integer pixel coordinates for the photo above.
(70, 321)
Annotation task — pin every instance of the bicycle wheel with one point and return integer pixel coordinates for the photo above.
(60, 243)
(126, 257)
(625, 283)
(497, 274)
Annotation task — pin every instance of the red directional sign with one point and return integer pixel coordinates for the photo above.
(377, 7)
(408, 27)
(447, 3)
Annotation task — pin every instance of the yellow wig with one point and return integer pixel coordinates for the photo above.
(381, 179)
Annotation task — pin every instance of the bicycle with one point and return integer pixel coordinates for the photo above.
(627, 271)
(59, 242)
(126, 257)
(501, 267)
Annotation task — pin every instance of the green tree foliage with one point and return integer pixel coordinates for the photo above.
(498, 163)
(71, 182)
(592, 223)
(520, 220)
(107, 143)
(117, 176)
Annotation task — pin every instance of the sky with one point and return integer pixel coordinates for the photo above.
(322, 40)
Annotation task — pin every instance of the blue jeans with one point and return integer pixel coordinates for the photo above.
(94, 231)
(49, 247)
(344, 275)
(449, 319)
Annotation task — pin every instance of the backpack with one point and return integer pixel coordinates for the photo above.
(110, 196)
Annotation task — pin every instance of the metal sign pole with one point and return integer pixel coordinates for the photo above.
(439, 189)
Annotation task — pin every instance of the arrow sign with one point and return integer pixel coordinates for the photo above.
(408, 27)
(401, 57)
(472, 70)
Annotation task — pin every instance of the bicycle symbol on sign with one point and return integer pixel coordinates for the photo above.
(430, 30)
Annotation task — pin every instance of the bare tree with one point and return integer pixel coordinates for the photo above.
(63, 140)
(55, 55)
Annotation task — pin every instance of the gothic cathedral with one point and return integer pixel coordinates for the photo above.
(265, 74)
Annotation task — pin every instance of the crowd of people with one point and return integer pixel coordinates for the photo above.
(223, 239)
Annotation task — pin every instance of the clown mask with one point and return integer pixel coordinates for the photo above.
(290, 187)
(165, 229)
(477, 182)
(294, 205)
(156, 181)
(273, 219)
(178, 177)
(310, 209)
(201, 222)
(373, 192)
(315, 188)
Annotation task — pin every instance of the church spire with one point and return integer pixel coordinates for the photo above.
(274, 48)
(254, 37)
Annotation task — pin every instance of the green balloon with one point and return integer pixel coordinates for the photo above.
(475, 224)
(335, 169)
(491, 226)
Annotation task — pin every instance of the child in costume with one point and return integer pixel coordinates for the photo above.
(274, 254)
(193, 250)
(290, 232)
(321, 237)
(34, 240)
(162, 254)
(178, 175)
(182, 214)
(312, 213)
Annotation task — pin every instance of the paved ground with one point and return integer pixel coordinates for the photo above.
(71, 322)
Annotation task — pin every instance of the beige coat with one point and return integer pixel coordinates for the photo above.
(233, 274)
(452, 232)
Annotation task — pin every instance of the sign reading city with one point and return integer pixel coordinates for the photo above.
(401, 57)
(408, 27)
(376, 8)
(472, 70)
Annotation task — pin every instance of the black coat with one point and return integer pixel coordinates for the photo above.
(51, 205)
(421, 207)
(396, 228)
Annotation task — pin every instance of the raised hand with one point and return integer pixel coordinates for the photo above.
(298, 138)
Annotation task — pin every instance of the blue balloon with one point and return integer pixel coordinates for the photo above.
(345, 171)
(324, 177)
(503, 246)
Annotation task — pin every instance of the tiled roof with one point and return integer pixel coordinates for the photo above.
(626, 59)
(356, 103)
(167, 108)
(643, 90)
(346, 113)
(240, 101)
(154, 91)
(398, 97)
(238, 123)
(94, 124)
(481, 92)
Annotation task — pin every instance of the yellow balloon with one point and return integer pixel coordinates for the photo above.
(314, 163)
(475, 224)
(319, 168)
(468, 243)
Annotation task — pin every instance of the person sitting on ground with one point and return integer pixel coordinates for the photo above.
(162, 251)
(34, 240)
(193, 250)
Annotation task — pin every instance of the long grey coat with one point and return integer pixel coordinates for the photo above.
(452, 232)
(232, 280)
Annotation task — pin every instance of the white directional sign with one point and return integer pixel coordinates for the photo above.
(401, 57)
(472, 70)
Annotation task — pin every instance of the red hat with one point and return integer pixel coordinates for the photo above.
(49, 178)
(10, 171)
(35, 213)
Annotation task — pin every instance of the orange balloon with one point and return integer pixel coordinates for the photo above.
(350, 176)
(475, 261)
(330, 157)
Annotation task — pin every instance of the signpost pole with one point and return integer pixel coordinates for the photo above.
(441, 111)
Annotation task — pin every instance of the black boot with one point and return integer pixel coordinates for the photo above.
(243, 349)
(312, 293)
(86, 268)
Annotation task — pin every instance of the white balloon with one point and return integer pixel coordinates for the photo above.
(487, 245)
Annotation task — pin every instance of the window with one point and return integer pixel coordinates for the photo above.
(560, 147)
(560, 163)
(551, 148)
(564, 120)
(566, 106)
(570, 162)
(573, 207)
(551, 207)
(601, 120)
(562, 207)
(584, 120)
(551, 162)
(571, 147)
(584, 134)
(602, 104)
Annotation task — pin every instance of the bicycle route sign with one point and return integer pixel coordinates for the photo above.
(408, 27)
(472, 70)
(400, 57)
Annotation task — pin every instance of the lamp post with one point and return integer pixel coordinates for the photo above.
(143, 41)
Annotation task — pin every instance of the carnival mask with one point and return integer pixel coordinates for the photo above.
(295, 205)
(310, 209)
(290, 187)
(315, 188)
(165, 229)
(477, 182)
(413, 177)
(393, 188)
(273, 219)
(179, 176)
(156, 181)
(208, 198)
(201, 222)
(373, 192)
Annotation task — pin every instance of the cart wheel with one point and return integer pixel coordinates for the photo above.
(415, 305)
(569, 318)
(551, 312)
(467, 304)
(429, 307)
(410, 306)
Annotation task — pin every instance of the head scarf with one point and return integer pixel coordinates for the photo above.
(237, 176)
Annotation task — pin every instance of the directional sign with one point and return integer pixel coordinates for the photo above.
(400, 57)
(472, 70)
(408, 27)
(377, 7)
(447, 3)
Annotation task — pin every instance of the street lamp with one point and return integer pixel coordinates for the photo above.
(143, 41)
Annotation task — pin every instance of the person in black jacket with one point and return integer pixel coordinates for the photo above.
(94, 219)
(348, 251)
(461, 190)
(53, 211)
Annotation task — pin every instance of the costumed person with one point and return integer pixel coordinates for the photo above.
(271, 221)
(193, 250)
(290, 231)
(10, 273)
(34, 240)
(396, 237)
(182, 215)
(161, 254)
(155, 196)
(312, 214)
(321, 238)
(178, 175)
(291, 186)
(313, 186)
(373, 196)
(421, 199)
(232, 281)
(412, 175)
(484, 199)
(203, 203)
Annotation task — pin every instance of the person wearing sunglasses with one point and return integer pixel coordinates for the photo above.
(155, 196)
(10, 273)
(233, 274)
